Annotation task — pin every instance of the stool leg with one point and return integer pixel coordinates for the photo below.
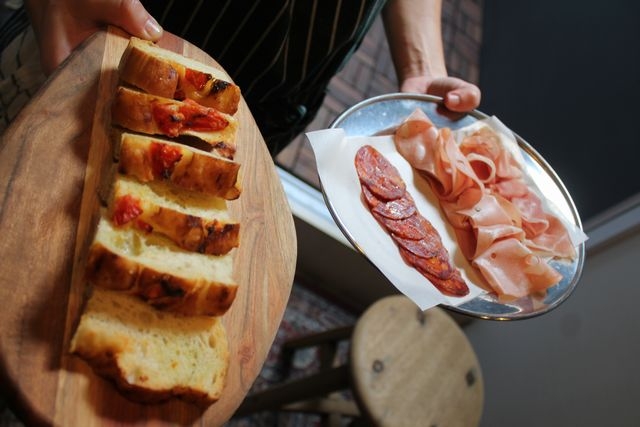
(326, 341)
(315, 385)
(329, 405)
(319, 338)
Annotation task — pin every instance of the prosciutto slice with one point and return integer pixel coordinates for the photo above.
(544, 230)
(513, 271)
(500, 222)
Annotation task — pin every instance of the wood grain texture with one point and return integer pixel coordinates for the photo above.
(52, 162)
(414, 368)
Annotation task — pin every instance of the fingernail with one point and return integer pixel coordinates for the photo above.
(152, 28)
(453, 99)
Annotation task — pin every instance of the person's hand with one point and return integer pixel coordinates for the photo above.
(60, 26)
(459, 95)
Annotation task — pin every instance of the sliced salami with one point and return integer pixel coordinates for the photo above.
(378, 174)
(454, 285)
(400, 208)
(427, 247)
(406, 228)
(437, 265)
(392, 206)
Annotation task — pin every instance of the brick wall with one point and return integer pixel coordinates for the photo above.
(370, 72)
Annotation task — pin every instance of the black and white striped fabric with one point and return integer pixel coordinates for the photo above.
(14, 22)
(282, 53)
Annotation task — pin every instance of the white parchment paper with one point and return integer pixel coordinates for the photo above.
(335, 155)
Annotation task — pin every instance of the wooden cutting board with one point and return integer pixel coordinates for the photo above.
(52, 158)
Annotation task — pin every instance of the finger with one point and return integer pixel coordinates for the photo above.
(458, 94)
(130, 15)
(443, 85)
(465, 98)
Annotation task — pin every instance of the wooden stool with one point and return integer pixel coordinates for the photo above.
(406, 367)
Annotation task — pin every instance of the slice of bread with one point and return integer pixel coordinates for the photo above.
(192, 221)
(155, 115)
(154, 269)
(152, 355)
(153, 159)
(162, 72)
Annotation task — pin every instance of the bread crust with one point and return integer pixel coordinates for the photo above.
(160, 267)
(155, 115)
(105, 350)
(149, 73)
(195, 170)
(164, 73)
(194, 233)
(160, 289)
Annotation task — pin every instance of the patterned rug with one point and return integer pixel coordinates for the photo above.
(306, 313)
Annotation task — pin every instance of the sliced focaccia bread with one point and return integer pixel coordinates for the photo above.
(162, 72)
(192, 221)
(152, 159)
(151, 355)
(155, 115)
(159, 272)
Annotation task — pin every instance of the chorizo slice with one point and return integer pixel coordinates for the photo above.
(392, 206)
(436, 265)
(400, 208)
(378, 174)
(454, 285)
(406, 228)
(427, 247)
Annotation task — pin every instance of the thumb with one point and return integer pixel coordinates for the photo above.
(459, 95)
(130, 15)
(462, 99)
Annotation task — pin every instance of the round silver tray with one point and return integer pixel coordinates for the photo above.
(384, 113)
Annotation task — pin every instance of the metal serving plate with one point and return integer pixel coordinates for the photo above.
(382, 114)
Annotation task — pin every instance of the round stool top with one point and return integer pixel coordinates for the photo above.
(414, 368)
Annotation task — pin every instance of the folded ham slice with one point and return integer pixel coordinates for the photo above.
(513, 271)
(500, 222)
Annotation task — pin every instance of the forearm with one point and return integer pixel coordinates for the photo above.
(414, 33)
